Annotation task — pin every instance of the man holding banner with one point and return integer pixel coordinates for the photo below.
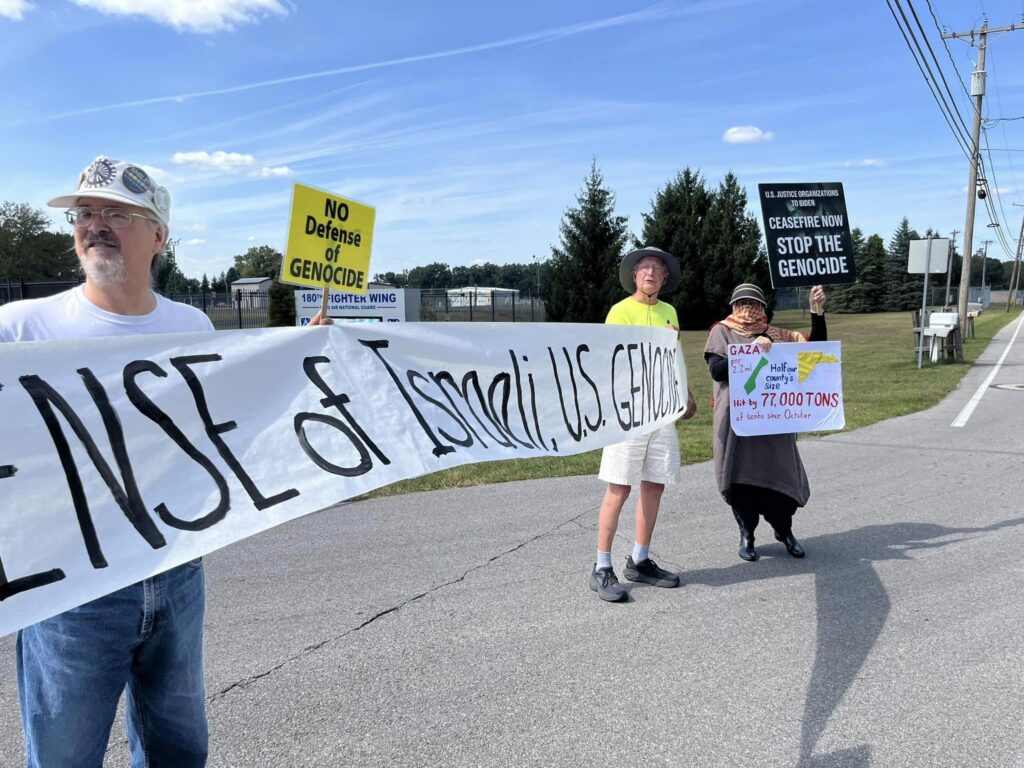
(762, 474)
(651, 460)
(72, 668)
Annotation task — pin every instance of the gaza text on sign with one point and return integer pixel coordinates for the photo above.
(794, 387)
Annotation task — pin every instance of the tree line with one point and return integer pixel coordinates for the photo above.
(707, 227)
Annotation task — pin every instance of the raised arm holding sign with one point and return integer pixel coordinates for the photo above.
(329, 242)
(807, 233)
(761, 474)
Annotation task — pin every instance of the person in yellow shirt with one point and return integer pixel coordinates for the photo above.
(650, 461)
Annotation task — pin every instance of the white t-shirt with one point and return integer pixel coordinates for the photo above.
(69, 315)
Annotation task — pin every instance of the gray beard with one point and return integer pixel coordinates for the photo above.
(110, 271)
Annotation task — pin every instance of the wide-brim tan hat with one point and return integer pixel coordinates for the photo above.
(629, 262)
(121, 182)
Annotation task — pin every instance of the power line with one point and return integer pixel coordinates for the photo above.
(1009, 160)
(943, 108)
(949, 53)
(948, 107)
(931, 50)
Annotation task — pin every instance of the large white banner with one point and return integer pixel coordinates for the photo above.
(123, 457)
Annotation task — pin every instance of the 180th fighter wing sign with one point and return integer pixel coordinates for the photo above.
(124, 457)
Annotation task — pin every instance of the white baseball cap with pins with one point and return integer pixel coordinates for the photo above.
(109, 179)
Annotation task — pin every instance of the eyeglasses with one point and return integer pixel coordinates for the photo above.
(115, 218)
(653, 269)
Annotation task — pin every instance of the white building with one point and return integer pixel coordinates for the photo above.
(251, 292)
(481, 296)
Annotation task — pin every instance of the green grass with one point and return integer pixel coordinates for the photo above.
(880, 380)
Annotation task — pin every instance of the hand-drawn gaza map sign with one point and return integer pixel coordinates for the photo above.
(123, 457)
(791, 388)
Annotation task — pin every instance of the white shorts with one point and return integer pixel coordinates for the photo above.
(653, 457)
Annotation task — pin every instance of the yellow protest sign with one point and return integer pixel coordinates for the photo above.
(329, 240)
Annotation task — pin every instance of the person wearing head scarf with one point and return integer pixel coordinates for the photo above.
(650, 461)
(760, 475)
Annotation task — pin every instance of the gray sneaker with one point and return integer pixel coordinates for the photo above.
(606, 584)
(648, 572)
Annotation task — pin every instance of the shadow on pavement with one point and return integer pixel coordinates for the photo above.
(852, 607)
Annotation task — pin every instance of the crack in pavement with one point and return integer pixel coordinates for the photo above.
(246, 682)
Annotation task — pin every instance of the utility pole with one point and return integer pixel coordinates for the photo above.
(984, 261)
(1015, 274)
(977, 93)
(949, 266)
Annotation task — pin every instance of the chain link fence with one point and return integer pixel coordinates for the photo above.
(476, 306)
(249, 309)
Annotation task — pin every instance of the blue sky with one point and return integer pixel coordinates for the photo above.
(471, 126)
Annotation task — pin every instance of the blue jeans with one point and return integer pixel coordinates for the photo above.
(73, 667)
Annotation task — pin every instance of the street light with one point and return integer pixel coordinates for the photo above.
(984, 262)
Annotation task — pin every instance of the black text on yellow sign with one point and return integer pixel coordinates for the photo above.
(329, 241)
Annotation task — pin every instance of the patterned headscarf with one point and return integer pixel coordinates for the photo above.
(752, 320)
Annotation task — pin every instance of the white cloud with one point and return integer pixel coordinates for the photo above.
(275, 172)
(867, 162)
(219, 160)
(252, 238)
(15, 9)
(746, 134)
(159, 175)
(195, 241)
(192, 227)
(202, 16)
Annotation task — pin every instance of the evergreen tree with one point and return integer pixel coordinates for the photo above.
(871, 271)
(204, 284)
(281, 305)
(167, 276)
(583, 277)
(902, 290)
(868, 293)
(716, 241)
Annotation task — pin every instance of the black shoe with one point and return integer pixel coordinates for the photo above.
(747, 551)
(792, 545)
(606, 584)
(648, 572)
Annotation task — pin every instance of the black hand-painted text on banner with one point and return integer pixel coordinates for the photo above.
(807, 233)
(123, 457)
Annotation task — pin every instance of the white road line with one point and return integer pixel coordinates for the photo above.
(965, 414)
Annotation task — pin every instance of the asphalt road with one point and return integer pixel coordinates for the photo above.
(455, 628)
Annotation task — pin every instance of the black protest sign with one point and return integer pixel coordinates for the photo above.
(808, 234)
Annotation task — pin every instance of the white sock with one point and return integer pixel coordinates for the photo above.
(604, 559)
(641, 552)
